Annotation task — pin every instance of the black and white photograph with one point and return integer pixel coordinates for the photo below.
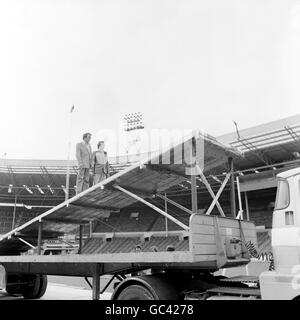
(149, 150)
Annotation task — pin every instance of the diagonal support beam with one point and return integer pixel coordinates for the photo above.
(182, 225)
(27, 243)
(218, 195)
(179, 206)
(208, 187)
(240, 213)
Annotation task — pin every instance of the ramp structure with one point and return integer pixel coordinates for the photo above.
(139, 183)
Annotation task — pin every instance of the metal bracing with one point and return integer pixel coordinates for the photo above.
(166, 219)
(118, 276)
(182, 225)
(208, 187)
(179, 206)
(240, 213)
(27, 243)
(209, 210)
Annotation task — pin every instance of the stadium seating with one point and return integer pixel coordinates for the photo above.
(92, 245)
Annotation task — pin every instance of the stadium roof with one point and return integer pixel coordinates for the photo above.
(268, 149)
(267, 144)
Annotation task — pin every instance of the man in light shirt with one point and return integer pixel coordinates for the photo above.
(84, 157)
(100, 164)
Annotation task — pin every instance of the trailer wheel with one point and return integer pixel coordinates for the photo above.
(33, 288)
(14, 289)
(43, 286)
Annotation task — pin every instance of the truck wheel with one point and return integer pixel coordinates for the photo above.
(135, 292)
(145, 288)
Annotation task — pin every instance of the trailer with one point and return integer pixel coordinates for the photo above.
(174, 261)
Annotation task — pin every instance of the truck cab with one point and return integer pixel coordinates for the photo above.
(284, 282)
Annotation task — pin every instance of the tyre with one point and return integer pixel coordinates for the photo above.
(14, 289)
(135, 292)
(32, 289)
(145, 288)
(43, 286)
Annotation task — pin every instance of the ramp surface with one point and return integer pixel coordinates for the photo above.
(152, 176)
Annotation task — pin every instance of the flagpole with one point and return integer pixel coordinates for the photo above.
(68, 161)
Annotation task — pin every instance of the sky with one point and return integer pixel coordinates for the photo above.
(182, 64)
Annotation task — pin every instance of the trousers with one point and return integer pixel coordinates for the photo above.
(83, 180)
(98, 177)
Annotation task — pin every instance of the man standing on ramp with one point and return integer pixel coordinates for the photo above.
(84, 157)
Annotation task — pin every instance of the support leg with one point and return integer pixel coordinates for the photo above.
(194, 194)
(80, 238)
(247, 206)
(14, 214)
(166, 219)
(39, 244)
(96, 283)
(232, 189)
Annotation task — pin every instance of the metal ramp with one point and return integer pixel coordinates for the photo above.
(151, 177)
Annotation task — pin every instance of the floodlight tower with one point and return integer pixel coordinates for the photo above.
(69, 150)
(133, 125)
